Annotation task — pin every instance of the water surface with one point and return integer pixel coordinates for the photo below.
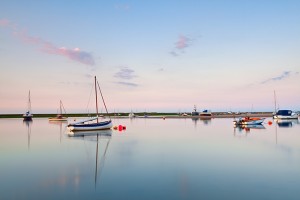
(151, 159)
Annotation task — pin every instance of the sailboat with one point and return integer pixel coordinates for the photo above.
(59, 116)
(84, 125)
(28, 115)
(283, 114)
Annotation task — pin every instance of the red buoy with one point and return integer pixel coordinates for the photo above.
(120, 127)
(270, 123)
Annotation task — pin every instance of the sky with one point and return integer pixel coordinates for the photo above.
(150, 56)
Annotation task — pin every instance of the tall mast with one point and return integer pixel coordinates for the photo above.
(96, 98)
(60, 107)
(275, 100)
(29, 103)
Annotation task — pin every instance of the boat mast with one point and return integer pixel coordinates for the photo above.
(60, 107)
(96, 98)
(275, 100)
(29, 103)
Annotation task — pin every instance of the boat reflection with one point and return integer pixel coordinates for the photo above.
(286, 123)
(205, 121)
(247, 128)
(61, 124)
(102, 133)
(94, 136)
(28, 124)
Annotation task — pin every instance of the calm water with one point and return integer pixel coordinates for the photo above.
(152, 159)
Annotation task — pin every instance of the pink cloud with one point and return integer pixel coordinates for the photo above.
(182, 42)
(4, 22)
(47, 47)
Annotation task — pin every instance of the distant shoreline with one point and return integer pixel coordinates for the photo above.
(150, 115)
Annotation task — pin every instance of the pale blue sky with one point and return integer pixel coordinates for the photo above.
(150, 56)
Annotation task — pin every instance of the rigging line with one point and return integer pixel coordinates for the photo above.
(89, 100)
(103, 100)
(63, 107)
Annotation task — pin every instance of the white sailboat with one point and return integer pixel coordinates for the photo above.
(59, 116)
(28, 115)
(283, 114)
(98, 125)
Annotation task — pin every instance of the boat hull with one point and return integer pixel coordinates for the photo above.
(249, 122)
(286, 117)
(90, 127)
(27, 117)
(58, 119)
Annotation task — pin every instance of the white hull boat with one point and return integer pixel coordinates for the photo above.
(88, 125)
(285, 114)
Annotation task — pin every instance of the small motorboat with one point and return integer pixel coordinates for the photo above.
(249, 121)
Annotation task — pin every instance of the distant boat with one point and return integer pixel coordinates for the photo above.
(28, 115)
(285, 114)
(195, 113)
(84, 126)
(131, 115)
(59, 116)
(205, 113)
(249, 121)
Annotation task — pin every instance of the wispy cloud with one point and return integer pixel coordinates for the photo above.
(4, 22)
(284, 75)
(125, 73)
(122, 7)
(127, 84)
(89, 76)
(181, 44)
(47, 47)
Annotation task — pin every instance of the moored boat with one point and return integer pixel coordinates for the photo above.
(285, 114)
(249, 121)
(131, 115)
(59, 117)
(28, 115)
(205, 113)
(88, 124)
(195, 113)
